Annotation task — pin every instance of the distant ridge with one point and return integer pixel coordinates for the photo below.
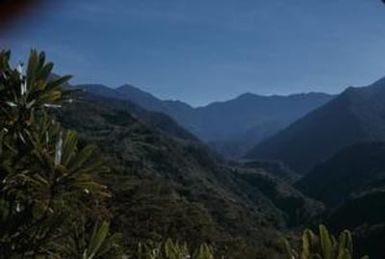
(231, 127)
(357, 114)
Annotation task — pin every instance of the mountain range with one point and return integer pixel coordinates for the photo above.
(165, 182)
(356, 115)
(231, 127)
(337, 148)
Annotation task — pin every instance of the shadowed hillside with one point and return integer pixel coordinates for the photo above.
(358, 114)
(351, 171)
(352, 185)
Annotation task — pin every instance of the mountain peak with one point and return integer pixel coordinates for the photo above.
(256, 116)
(355, 115)
(248, 96)
(128, 88)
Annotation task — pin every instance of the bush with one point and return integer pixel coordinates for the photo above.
(322, 246)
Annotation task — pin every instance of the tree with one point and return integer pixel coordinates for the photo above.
(47, 180)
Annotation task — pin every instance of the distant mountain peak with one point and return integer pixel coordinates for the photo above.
(244, 120)
(248, 95)
(128, 87)
(357, 114)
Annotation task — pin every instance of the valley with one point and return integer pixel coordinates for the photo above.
(207, 129)
(267, 187)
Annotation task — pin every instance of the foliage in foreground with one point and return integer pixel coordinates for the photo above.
(322, 246)
(47, 180)
(172, 250)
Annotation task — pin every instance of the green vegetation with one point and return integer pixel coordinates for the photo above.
(352, 186)
(55, 190)
(167, 184)
(172, 250)
(349, 172)
(170, 186)
(48, 181)
(50, 198)
(322, 246)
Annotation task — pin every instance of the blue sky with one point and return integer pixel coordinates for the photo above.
(207, 50)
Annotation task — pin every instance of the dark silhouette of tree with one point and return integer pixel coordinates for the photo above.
(47, 180)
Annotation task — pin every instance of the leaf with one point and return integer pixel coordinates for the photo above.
(97, 239)
(326, 243)
(307, 238)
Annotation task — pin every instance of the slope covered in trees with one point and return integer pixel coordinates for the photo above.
(364, 215)
(355, 115)
(352, 185)
(189, 193)
(351, 171)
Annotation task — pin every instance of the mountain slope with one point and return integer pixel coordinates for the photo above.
(364, 215)
(358, 114)
(352, 185)
(250, 111)
(351, 171)
(231, 127)
(167, 184)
